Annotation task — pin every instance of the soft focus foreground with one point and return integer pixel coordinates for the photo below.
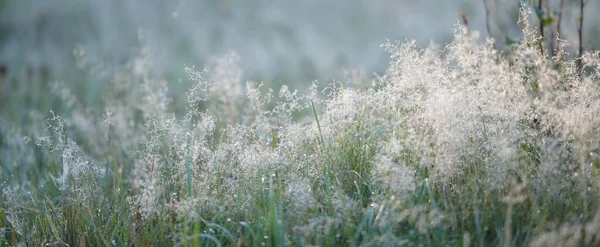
(456, 146)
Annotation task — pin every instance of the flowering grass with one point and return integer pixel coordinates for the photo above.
(456, 146)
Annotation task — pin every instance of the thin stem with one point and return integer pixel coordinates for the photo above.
(580, 36)
(463, 16)
(541, 17)
(320, 137)
(555, 47)
(559, 18)
(556, 35)
(488, 9)
(507, 226)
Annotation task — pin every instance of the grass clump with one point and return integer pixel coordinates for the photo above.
(460, 146)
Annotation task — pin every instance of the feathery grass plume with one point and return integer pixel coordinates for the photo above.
(299, 193)
(224, 75)
(397, 179)
(17, 152)
(147, 186)
(14, 213)
(199, 93)
(570, 234)
(75, 164)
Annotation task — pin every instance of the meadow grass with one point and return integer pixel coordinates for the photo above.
(463, 146)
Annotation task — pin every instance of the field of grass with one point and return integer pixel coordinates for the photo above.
(459, 146)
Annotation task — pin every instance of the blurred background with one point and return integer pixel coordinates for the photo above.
(291, 42)
(78, 59)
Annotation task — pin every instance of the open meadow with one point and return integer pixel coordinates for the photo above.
(462, 144)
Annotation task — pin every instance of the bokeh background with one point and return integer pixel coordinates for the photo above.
(292, 42)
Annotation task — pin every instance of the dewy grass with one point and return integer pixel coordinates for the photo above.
(460, 146)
